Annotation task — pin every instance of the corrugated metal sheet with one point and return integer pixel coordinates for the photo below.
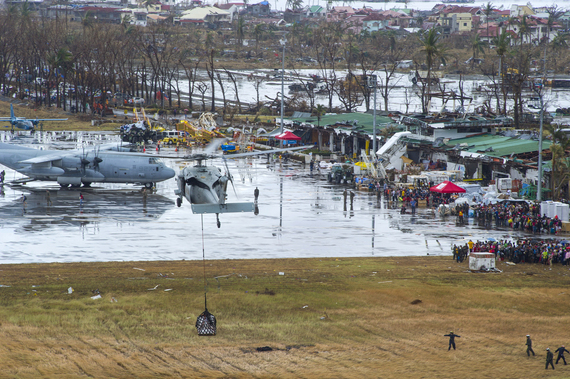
(364, 121)
(501, 146)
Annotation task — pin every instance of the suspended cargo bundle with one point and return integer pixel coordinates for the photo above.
(206, 324)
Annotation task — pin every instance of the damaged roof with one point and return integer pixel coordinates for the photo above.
(362, 122)
(497, 145)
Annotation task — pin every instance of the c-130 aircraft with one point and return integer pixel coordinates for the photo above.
(101, 164)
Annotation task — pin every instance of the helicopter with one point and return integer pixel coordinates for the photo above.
(25, 123)
(205, 187)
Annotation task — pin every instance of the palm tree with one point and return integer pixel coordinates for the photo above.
(240, 30)
(524, 27)
(554, 14)
(433, 50)
(294, 4)
(502, 43)
(560, 162)
(477, 47)
(320, 110)
(488, 10)
(87, 21)
(258, 32)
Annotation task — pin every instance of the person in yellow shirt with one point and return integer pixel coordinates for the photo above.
(470, 244)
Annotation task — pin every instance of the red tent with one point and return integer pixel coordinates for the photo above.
(288, 136)
(447, 187)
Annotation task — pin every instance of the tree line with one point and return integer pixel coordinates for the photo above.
(58, 62)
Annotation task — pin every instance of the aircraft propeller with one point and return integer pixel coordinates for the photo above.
(84, 161)
(97, 160)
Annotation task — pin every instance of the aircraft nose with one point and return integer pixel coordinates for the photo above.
(168, 173)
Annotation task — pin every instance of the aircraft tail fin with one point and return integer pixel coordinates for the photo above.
(12, 111)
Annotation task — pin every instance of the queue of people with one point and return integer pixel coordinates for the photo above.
(547, 252)
(522, 216)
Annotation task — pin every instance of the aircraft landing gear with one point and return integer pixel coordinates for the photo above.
(149, 185)
(178, 202)
(218, 220)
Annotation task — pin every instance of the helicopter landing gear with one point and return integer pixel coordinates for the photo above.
(178, 202)
(218, 220)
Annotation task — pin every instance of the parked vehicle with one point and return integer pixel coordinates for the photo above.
(136, 100)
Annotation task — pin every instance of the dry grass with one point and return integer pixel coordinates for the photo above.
(325, 318)
(77, 121)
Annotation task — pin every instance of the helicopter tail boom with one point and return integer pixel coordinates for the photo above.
(222, 208)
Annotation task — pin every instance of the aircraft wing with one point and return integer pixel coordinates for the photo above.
(230, 156)
(48, 119)
(46, 158)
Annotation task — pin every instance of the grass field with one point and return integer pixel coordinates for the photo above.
(77, 121)
(323, 318)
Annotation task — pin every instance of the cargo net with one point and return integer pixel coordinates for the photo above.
(206, 324)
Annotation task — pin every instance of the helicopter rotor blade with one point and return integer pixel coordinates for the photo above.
(213, 146)
(230, 177)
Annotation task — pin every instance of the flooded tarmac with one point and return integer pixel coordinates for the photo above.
(300, 216)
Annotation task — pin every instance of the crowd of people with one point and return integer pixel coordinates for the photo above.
(522, 216)
(547, 252)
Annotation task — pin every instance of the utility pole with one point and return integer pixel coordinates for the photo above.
(539, 189)
(283, 42)
(373, 83)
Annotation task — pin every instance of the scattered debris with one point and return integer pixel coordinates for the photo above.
(264, 348)
(168, 289)
(95, 292)
(266, 292)
(417, 301)
(96, 297)
(70, 290)
(511, 263)
(281, 273)
(3, 285)
(305, 306)
(141, 269)
(113, 300)
(152, 289)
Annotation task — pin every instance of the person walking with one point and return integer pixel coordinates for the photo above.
(256, 193)
(80, 199)
(48, 199)
(451, 336)
(529, 346)
(560, 352)
(549, 358)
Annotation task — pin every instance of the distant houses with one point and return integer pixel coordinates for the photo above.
(452, 19)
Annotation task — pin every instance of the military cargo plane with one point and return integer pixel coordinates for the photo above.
(101, 164)
(25, 123)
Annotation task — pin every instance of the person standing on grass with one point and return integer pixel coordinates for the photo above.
(549, 358)
(560, 352)
(529, 346)
(451, 336)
